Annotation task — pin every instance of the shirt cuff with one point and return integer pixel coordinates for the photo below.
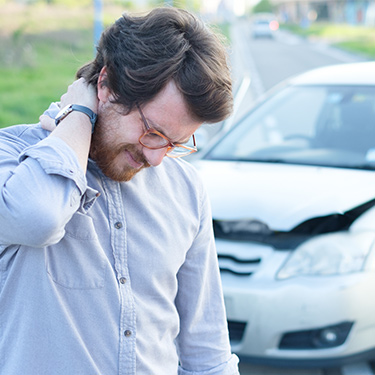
(227, 368)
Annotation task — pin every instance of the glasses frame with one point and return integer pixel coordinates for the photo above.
(170, 145)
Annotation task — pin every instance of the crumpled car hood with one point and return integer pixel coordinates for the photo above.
(282, 195)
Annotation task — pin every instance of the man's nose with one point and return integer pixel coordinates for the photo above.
(154, 157)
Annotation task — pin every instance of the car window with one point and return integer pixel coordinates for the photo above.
(308, 124)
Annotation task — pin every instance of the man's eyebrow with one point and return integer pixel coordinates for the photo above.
(154, 125)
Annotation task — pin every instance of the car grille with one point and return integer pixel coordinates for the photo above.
(236, 266)
(236, 330)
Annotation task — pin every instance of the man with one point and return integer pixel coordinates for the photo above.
(107, 257)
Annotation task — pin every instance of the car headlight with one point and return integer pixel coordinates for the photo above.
(329, 254)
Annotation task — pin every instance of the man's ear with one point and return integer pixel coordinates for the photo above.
(103, 91)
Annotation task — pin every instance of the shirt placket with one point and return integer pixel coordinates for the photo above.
(127, 323)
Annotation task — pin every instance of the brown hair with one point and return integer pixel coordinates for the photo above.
(143, 53)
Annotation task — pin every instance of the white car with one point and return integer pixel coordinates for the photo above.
(292, 189)
(264, 25)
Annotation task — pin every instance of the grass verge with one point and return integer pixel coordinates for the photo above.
(355, 39)
(41, 48)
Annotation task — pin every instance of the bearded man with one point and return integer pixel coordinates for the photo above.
(107, 256)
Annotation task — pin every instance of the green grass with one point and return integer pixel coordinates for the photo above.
(39, 73)
(356, 39)
(41, 48)
(363, 46)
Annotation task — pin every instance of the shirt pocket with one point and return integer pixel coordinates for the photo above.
(77, 261)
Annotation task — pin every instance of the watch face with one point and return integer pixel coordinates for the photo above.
(63, 113)
(76, 107)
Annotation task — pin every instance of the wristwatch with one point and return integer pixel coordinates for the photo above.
(76, 107)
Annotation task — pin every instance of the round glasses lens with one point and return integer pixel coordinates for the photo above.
(154, 140)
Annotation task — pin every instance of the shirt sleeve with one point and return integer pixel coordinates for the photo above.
(203, 342)
(42, 186)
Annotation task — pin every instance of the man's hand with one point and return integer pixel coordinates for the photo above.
(79, 92)
(75, 129)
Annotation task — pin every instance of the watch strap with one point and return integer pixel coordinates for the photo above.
(80, 108)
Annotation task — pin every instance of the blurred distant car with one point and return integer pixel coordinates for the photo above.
(264, 26)
(292, 189)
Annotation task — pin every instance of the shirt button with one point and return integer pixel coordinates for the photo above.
(122, 280)
(118, 225)
(127, 333)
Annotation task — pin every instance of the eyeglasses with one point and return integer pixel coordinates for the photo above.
(154, 140)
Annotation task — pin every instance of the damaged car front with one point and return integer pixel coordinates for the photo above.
(292, 188)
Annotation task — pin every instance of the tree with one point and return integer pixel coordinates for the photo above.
(264, 6)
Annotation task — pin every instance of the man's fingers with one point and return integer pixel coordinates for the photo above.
(47, 123)
(79, 92)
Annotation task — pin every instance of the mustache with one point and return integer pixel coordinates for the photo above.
(136, 154)
(112, 152)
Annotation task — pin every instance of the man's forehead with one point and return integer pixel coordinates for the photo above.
(169, 114)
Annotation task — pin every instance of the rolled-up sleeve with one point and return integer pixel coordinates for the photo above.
(42, 186)
(56, 157)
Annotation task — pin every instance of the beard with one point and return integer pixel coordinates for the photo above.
(109, 155)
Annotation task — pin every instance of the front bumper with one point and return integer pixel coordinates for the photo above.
(262, 311)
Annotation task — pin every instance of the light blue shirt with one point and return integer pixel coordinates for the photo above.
(103, 278)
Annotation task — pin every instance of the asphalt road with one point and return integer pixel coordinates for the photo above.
(260, 64)
(265, 63)
(360, 368)
(269, 61)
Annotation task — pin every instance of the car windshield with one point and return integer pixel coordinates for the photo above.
(315, 125)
